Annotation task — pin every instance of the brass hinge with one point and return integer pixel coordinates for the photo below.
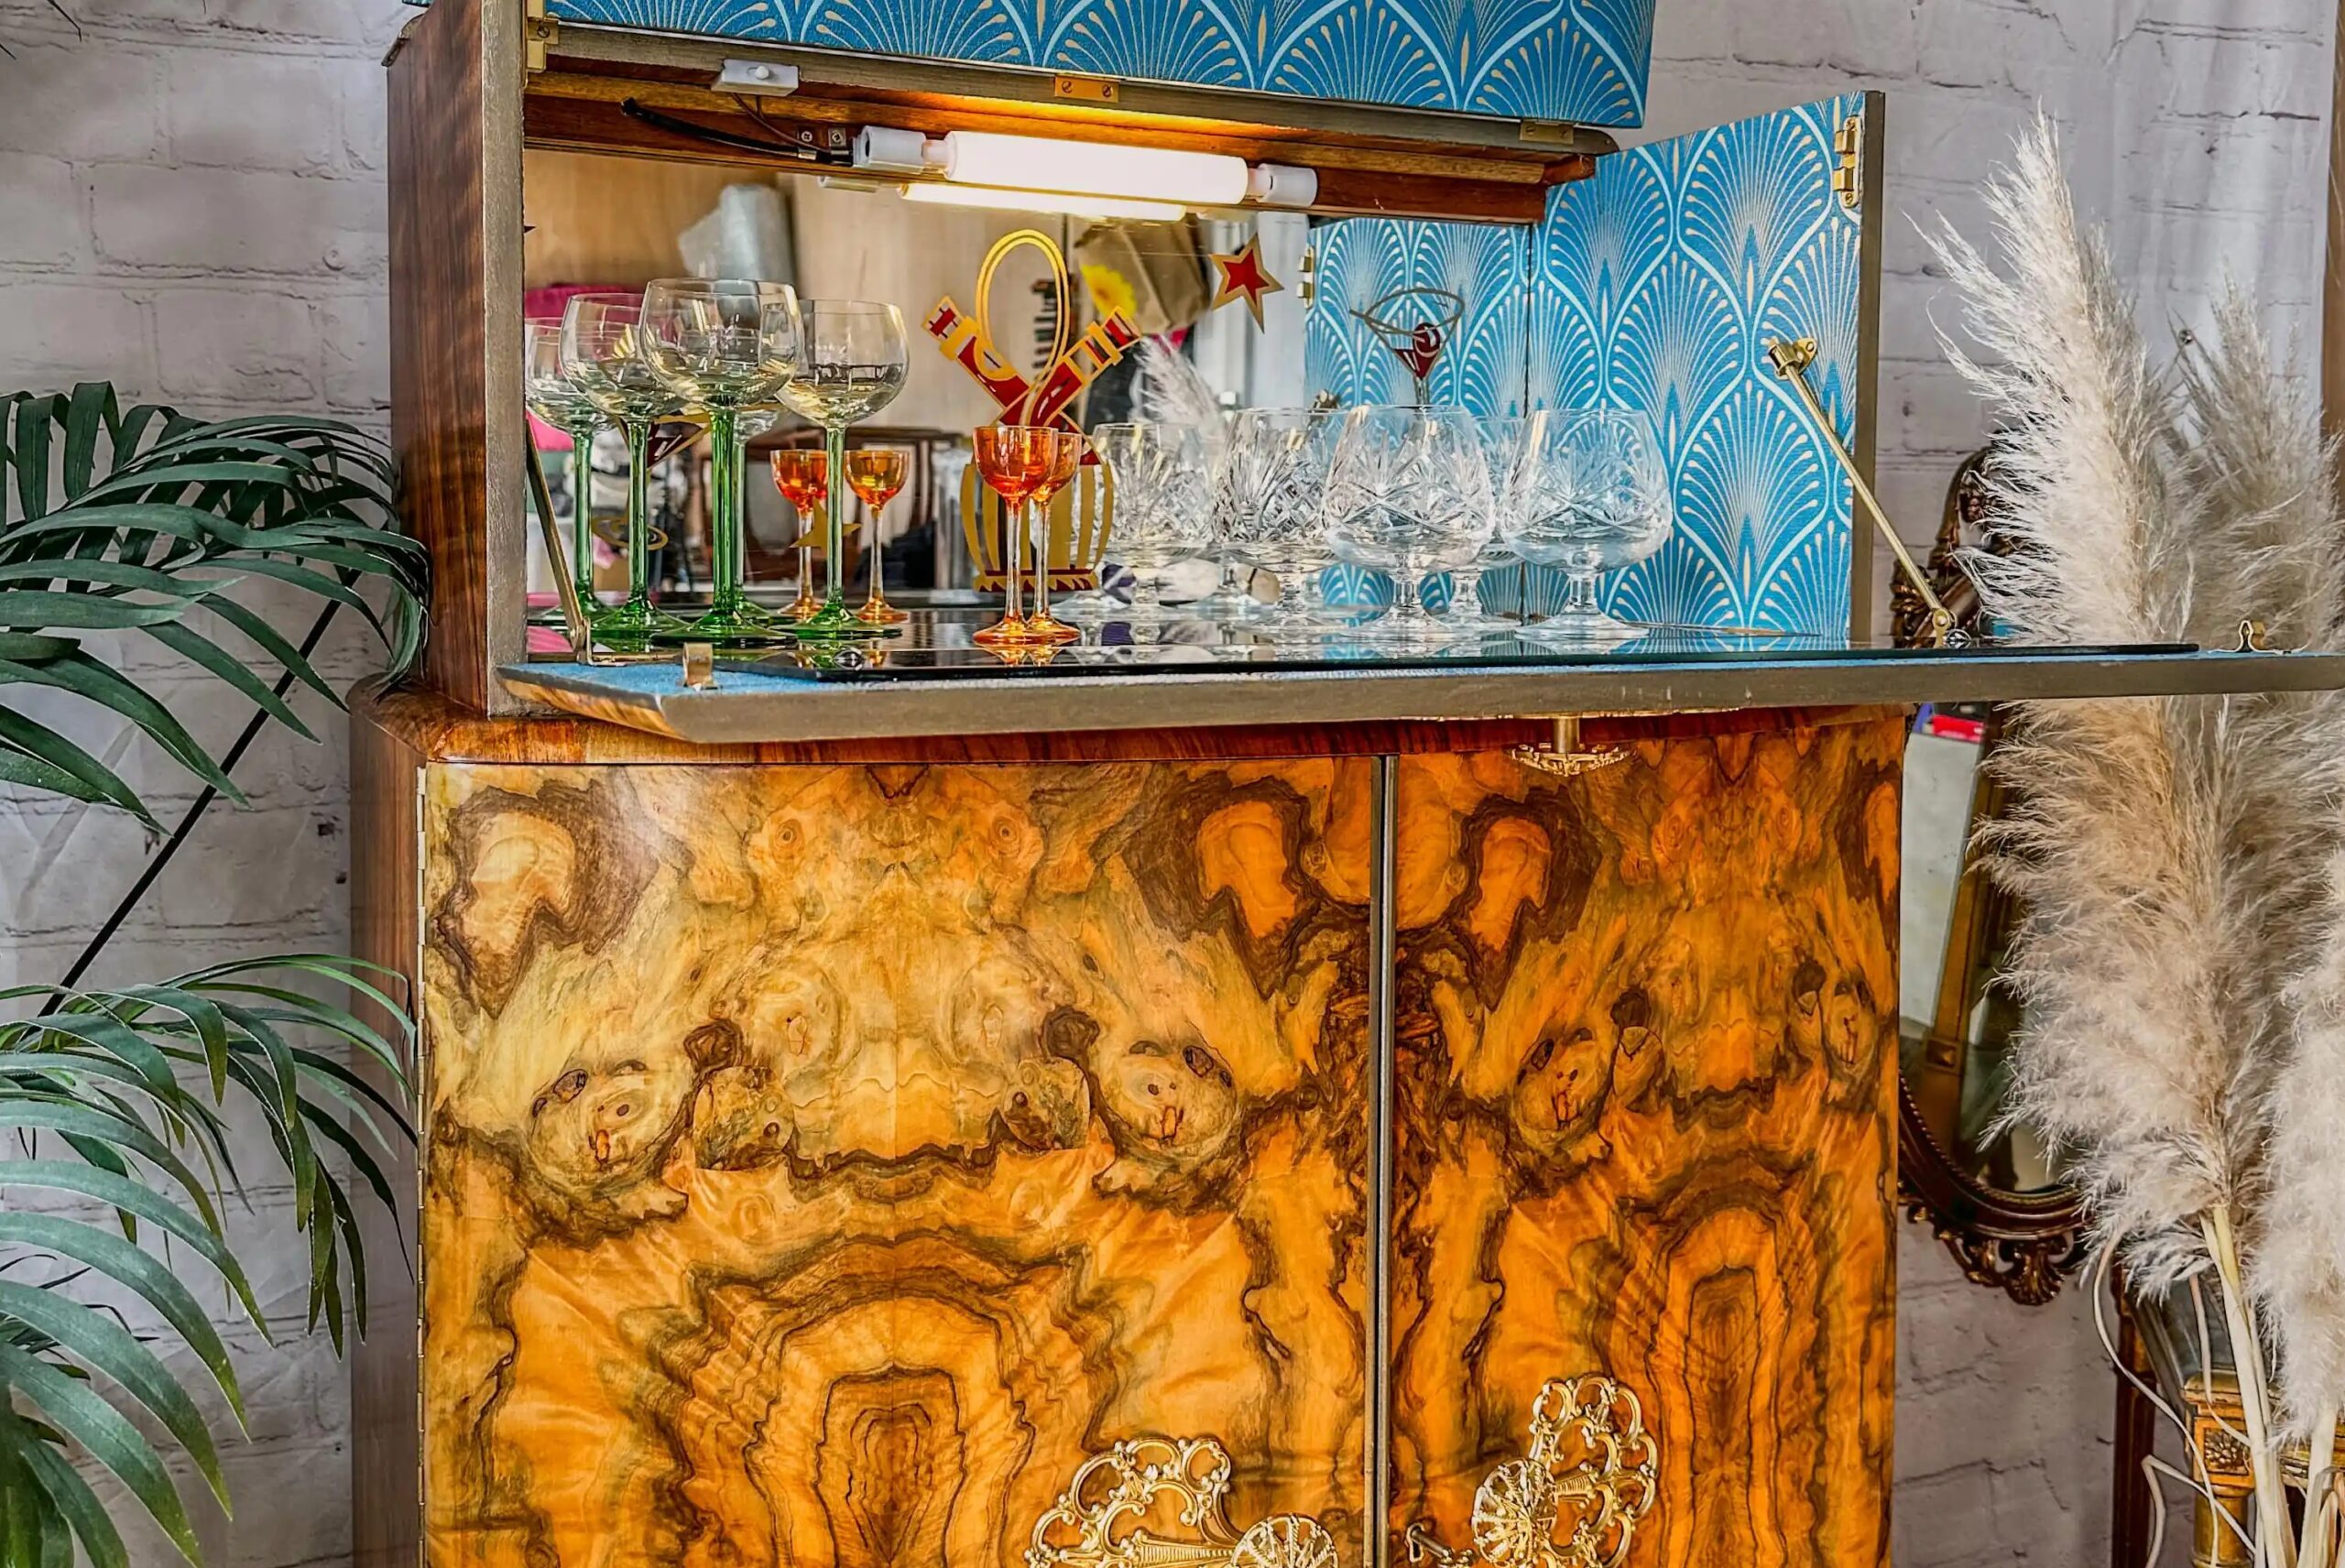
(540, 33)
(1543, 133)
(1848, 178)
(1084, 88)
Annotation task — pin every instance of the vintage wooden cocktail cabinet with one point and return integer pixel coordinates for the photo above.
(1276, 1112)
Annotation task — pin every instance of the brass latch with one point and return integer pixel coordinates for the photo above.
(1565, 758)
(1791, 357)
(1848, 178)
(540, 33)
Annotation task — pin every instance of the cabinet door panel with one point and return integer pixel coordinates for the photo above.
(824, 1162)
(1647, 1044)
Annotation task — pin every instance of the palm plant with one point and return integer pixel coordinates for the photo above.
(141, 523)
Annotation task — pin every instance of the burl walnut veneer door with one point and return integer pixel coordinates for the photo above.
(824, 1162)
(1646, 1026)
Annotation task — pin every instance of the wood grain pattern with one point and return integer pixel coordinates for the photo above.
(453, 151)
(825, 1160)
(1647, 1053)
(385, 1507)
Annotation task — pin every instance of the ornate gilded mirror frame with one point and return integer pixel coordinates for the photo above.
(2022, 1242)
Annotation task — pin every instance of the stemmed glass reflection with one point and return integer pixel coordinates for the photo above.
(723, 345)
(1266, 503)
(1065, 456)
(875, 473)
(555, 398)
(1588, 494)
(853, 366)
(1408, 494)
(1015, 462)
(1500, 440)
(803, 479)
(602, 355)
(1162, 506)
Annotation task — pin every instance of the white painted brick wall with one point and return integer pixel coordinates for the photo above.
(192, 204)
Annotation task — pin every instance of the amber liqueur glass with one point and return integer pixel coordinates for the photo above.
(1015, 462)
(1065, 455)
(875, 473)
(803, 479)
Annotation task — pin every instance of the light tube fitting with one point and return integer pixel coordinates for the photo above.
(1057, 202)
(1160, 175)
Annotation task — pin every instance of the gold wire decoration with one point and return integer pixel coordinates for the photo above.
(1162, 1502)
(1575, 1500)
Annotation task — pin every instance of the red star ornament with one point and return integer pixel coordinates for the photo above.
(1242, 275)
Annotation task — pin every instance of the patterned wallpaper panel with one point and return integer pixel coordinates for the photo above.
(1657, 284)
(1550, 60)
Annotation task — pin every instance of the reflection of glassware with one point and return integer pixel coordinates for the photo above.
(1408, 495)
(1266, 502)
(722, 344)
(853, 366)
(1502, 438)
(1162, 507)
(601, 355)
(875, 473)
(555, 398)
(1587, 495)
(1065, 455)
(1014, 461)
(802, 477)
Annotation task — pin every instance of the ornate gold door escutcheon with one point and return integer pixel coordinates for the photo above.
(1576, 1500)
(1162, 1502)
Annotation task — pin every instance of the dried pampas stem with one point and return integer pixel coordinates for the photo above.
(2247, 1357)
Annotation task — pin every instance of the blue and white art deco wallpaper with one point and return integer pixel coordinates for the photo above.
(1550, 60)
(1658, 284)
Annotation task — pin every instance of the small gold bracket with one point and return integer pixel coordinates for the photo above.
(540, 33)
(1084, 88)
(1792, 358)
(2253, 637)
(1565, 758)
(1543, 133)
(1849, 177)
(1575, 1501)
(1307, 285)
(700, 665)
(1162, 1502)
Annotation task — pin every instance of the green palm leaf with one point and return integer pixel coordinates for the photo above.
(106, 1098)
(143, 522)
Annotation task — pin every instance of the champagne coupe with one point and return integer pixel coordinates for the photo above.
(723, 345)
(1502, 439)
(803, 479)
(1408, 494)
(1065, 455)
(555, 398)
(853, 366)
(1588, 494)
(875, 473)
(602, 355)
(1014, 461)
(1162, 509)
(1266, 504)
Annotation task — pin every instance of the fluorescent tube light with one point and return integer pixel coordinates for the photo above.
(1058, 202)
(1159, 175)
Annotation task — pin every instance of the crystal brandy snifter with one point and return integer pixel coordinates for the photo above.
(875, 473)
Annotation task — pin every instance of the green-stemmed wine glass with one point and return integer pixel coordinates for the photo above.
(553, 398)
(852, 366)
(602, 355)
(723, 345)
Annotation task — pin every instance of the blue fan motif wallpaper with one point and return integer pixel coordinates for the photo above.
(1658, 284)
(1548, 60)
